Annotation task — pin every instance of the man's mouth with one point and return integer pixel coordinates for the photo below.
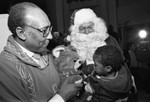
(45, 43)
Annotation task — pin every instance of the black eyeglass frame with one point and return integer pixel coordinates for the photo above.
(45, 32)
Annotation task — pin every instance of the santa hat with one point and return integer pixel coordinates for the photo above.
(84, 15)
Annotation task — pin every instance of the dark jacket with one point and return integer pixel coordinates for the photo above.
(110, 90)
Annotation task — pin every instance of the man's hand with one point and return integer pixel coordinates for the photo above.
(69, 89)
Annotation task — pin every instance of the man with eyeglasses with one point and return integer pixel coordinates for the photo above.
(27, 72)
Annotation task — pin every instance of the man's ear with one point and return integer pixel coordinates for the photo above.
(20, 32)
(108, 68)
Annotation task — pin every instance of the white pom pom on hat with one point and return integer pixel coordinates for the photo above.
(84, 15)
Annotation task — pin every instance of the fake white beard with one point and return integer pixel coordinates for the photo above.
(87, 44)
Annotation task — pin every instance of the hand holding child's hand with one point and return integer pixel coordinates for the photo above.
(69, 88)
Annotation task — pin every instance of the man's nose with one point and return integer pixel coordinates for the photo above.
(49, 36)
(86, 31)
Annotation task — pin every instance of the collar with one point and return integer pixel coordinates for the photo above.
(29, 53)
(105, 78)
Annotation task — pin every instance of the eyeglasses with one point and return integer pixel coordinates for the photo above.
(45, 31)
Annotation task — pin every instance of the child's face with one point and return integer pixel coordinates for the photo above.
(99, 69)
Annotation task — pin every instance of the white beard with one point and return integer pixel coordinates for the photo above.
(87, 44)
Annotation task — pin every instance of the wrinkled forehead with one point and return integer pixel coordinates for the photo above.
(37, 16)
(87, 24)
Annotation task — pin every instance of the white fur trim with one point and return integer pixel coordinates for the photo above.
(84, 15)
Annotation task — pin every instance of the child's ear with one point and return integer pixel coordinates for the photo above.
(108, 68)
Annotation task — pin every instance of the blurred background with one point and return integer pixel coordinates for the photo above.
(127, 20)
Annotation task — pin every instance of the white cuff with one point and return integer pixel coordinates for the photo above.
(56, 98)
(89, 62)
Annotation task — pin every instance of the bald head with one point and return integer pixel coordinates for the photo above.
(37, 17)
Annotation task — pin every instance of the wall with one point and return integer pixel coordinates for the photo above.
(60, 11)
(134, 12)
(133, 15)
(69, 8)
(4, 30)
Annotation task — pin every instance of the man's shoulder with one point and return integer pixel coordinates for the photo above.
(8, 63)
(7, 56)
(124, 70)
(111, 40)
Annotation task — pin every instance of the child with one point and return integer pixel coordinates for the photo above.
(111, 80)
